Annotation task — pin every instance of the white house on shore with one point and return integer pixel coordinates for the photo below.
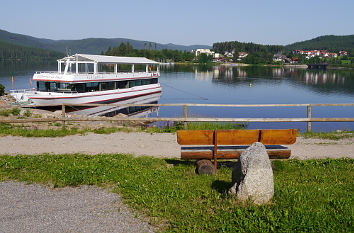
(208, 52)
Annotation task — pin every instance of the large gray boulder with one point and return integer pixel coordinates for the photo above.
(252, 176)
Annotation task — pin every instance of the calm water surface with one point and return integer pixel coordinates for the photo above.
(231, 85)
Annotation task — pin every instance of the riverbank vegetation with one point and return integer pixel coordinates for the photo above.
(336, 135)
(57, 130)
(177, 200)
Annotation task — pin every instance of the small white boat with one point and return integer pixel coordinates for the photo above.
(84, 79)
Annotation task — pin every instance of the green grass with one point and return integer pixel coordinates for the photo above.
(15, 111)
(329, 135)
(8, 129)
(5, 112)
(314, 195)
(172, 127)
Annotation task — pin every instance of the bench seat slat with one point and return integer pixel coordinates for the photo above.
(231, 154)
(278, 136)
(195, 137)
(237, 137)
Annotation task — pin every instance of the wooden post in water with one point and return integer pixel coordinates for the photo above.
(185, 117)
(309, 116)
(63, 114)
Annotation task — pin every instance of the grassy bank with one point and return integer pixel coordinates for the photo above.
(314, 195)
(59, 131)
(171, 127)
(329, 135)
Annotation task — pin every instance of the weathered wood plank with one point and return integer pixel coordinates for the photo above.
(234, 154)
(278, 136)
(195, 137)
(237, 137)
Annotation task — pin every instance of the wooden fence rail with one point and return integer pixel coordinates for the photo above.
(185, 118)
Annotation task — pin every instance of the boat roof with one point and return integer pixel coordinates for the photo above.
(107, 59)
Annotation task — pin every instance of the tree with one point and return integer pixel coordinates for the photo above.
(204, 59)
(2, 90)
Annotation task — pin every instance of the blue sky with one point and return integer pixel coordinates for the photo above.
(180, 22)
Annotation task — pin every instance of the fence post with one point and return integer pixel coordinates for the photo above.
(185, 117)
(309, 116)
(63, 114)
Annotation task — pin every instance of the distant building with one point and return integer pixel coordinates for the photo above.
(241, 55)
(316, 53)
(208, 52)
(343, 53)
(217, 55)
(228, 54)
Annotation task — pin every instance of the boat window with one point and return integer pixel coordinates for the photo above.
(131, 83)
(138, 82)
(107, 86)
(41, 86)
(63, 87)
(154, 81)
(92, 86)
(145, 82)
(79, 87)
(52, 86)
(122, 84)
(46, 86)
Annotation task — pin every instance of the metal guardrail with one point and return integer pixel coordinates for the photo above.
(186, 119)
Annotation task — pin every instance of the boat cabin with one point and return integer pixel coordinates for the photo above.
(90, 73)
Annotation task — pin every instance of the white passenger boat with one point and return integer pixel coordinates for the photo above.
(84, 79)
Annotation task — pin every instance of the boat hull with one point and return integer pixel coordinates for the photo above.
(100, 97)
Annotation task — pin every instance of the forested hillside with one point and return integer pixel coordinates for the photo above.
(164, 55)
(330, 43)
(89, 45)
(16, 54)
(257, 53)
(221, 47)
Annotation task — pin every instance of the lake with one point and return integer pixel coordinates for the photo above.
(245, 85)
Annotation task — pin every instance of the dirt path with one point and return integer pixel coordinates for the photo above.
(158, 145)
(35, 208)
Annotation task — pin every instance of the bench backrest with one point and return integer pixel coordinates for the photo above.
(236, 137)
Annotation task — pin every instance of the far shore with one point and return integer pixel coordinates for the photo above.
(298, 66)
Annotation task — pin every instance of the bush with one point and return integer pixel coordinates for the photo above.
(15, 111)
(2, 90)
(5, 112)
(27, 113)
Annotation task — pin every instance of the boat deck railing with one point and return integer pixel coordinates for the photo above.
(97, 73)
(21, 91)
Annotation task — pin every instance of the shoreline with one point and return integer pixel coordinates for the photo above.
(298, 66)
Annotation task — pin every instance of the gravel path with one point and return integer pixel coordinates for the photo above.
(158, 145)
(34, 208)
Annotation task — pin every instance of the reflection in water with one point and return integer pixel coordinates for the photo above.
(110, 111)
(230, 85)
(319, 80)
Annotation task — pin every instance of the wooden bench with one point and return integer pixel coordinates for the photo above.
(229, 144)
